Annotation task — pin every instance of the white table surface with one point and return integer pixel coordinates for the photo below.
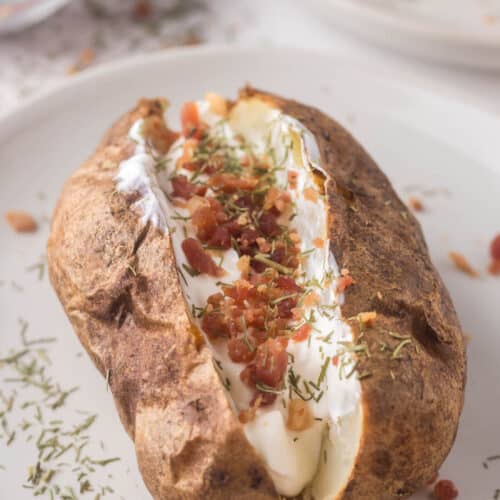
(36, 59)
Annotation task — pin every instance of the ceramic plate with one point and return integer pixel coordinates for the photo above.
(444, 153)
(465, 32)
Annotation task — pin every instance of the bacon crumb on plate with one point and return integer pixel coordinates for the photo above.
(445, 490)
(84, 60)
(495, 248)
(462, 264)
(494, 268)
(21, 222)
(415, 204)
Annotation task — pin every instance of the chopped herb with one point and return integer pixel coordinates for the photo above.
(397, 352)
(266, 260)
(191, 271)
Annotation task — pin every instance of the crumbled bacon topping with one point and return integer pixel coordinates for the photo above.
(344, 282)
(199, 259)
(495, 248)
(445, 490)
(311, 194)
(494, 267)
(21, 222)
(300, 417)
(462, 264)
(235, 203)
(415, 204)
(182, 188)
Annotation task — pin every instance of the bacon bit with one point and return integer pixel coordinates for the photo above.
(277, 198)
(445, 490)
(264, 245)
(311, 299)
(462, 264)
(182, 188)
(195, 202)
(297, 313)
(319, 242)
(230, 183)
(248, 415)
(300, 417)
(294, 236)
(199, 259)
(190, 120)
(244, 264)
(271, 362)
(268, 224)
(292, 179)
(243, 220)
(241, 350)
(415, 204)
(335, 360)
(217, 103)
(494, 268)
(490, 20)
(21, 222)
(220, 238)
(367, 318)
(84, 60)
(187, 152)
(495, 248)
(142, 9)
(311, 194)
(343, 283)
(302, 333)
(288, 284)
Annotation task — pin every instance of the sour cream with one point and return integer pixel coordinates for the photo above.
(319, 458)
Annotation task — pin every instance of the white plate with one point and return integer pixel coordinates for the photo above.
(465, 32)
(451, 151)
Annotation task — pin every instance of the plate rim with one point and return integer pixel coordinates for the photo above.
(391, 78)
(409, 85)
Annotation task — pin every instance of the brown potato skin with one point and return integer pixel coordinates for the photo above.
(119, 287)
(410, 419)
(117, 282)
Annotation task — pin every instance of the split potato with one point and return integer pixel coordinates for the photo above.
(262, 303)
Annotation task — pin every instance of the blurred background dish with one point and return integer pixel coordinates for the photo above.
(464, 33)
(17, 15)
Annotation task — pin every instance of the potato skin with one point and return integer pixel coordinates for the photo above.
(412, 405)
(117, 282)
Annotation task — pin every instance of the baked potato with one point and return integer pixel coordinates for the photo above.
(261, 303)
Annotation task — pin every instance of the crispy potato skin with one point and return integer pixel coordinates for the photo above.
(117, 282)
(118, 285)
(410, 418)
